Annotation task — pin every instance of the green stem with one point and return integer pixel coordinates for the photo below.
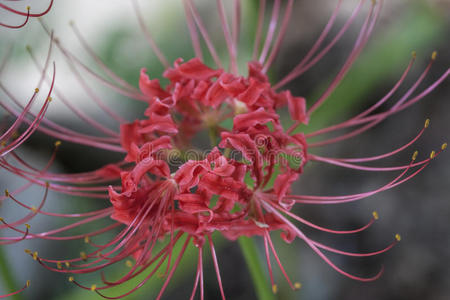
(260, 282)
(9, 281)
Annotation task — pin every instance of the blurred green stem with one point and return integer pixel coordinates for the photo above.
(262, 286)
(8, 279)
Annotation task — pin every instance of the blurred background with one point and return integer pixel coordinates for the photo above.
(417, 268)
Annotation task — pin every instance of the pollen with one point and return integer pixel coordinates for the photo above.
(27, 251)
(414, 54)
(375, 215)
(49, 99)
(27, 226)
(67, 264)
(83, 255)
(434, 55)
(129, 263)
(33, 209)
(28, 283)
(71, 279)
(414, 156)
(87, 239)
(1, 219)
(36, 90)
(427, 123)
(432, 154)
(274, 288)
(93, 287)
(59, 265)
(398, 237)
(297, 285)
(6, 193)
(35, 255)
(444, 146)
(57, 143)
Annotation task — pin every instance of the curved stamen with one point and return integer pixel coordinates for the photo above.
(20, 25)
(34, 15)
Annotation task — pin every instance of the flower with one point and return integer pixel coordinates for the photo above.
(172, 195)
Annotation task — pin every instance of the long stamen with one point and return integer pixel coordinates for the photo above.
(270, 31)
(359, 45)
(282, 32)
(216, 266)
(228, 38)
(204, 33)
(20, 25)
(193, 32)
(148, 36)
(27, 284)
(197, 276)
(259, 28)
(34, 15)
(318, 252)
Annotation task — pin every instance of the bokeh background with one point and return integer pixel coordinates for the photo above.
(417, 268)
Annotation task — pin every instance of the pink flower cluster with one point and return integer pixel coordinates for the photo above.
(240, 186)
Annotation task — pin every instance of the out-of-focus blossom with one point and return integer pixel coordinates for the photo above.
(172, 193)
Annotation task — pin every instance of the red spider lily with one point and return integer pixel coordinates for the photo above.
(28, 14)
(170, 194)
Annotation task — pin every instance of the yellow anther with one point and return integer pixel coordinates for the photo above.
(444, 146)
(427, 123)
(28, 283)
(297, 285)
(6, 193)
(274, 288)
(35, 255)
(432, 154)
(375, 215)
(1, 219)
(87, 239)
(57, 143)
(83, 255)
(414, 156)
(59, 265)
(34, 209)
(27, 251)
(67, 264)
(3, 143)
(413, 54)
(49, 99)
(28, 7)
(47, 184)
(434, 55)
(71, 279)
(398, 237)
(93, 287)
(36, 90)
(27, 226)
(129, 263)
